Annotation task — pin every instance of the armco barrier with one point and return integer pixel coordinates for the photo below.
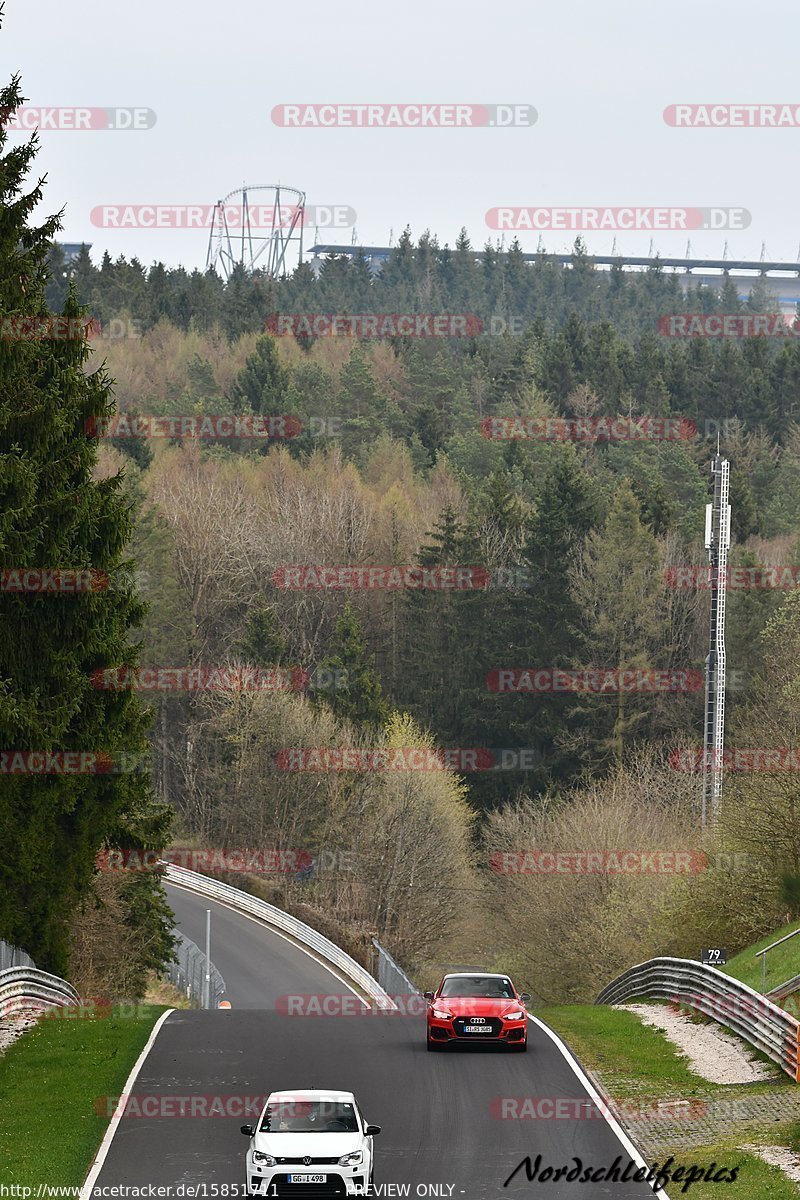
(25, 987)
(784, 989)
(276, 918)
(718, 996)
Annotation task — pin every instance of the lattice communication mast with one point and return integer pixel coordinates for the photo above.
(718, 540)
(257, 231)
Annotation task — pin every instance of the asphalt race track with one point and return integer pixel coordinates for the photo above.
(438, 1112)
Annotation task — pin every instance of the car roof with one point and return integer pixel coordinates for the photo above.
(311, 1094)
(483, 975)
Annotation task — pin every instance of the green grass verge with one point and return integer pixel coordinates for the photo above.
(636, 1065)
(782, 963)
(756, 1180)
(51, 1083)
(636, 1061)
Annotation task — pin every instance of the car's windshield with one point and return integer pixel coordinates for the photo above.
(309, 1116)
(489, 986)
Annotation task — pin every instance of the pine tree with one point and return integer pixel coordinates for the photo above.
(442, 668)
(360, 403)
(541, 630)
(263, 645)
(263, 382)
(355, 692)
(55, 515)
(618, 587)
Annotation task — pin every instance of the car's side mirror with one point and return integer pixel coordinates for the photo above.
(371, 1130)
(248, 1130)
(525, 997)
(427, 995)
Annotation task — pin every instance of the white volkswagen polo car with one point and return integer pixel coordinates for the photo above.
(310, 1143)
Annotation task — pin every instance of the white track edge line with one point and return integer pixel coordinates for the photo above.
(264, 924)
(105, 1145)
(622, 1136)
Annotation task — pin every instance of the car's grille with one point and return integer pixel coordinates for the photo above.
(301, 1162)
(494, 1023)
(279, 1186)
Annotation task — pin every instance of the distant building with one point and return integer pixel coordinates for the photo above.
(71, 250)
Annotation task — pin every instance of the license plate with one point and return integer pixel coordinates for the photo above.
(308, 1179)
(477, 1029)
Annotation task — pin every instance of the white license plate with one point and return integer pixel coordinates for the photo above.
(477, 1029)
(308, 1179)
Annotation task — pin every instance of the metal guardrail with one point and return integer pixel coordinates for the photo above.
(12, 956)
(277, 919)
(762, 954)
(718, 996)
(188, 974)
(392, 977)
(784, 989)
(25, 987)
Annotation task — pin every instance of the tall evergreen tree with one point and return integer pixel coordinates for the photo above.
(55, 515)
(263, 382)
(355, 691)
(619, 588)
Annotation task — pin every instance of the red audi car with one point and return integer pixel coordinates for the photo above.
(477, 1007)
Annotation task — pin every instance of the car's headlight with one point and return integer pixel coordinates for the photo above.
(351, 1160)
(515, 1016)
(266, 1159)
(441, 1014)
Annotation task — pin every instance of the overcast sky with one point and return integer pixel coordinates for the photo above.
(598, 74)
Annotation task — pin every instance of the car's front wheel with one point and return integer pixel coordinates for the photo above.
(433, 1045)
(520, 1047)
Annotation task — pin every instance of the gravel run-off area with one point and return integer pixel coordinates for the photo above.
(14, 1024)
(778, 1156)
(715, 1055)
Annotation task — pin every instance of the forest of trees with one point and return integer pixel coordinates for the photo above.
(578, 540)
